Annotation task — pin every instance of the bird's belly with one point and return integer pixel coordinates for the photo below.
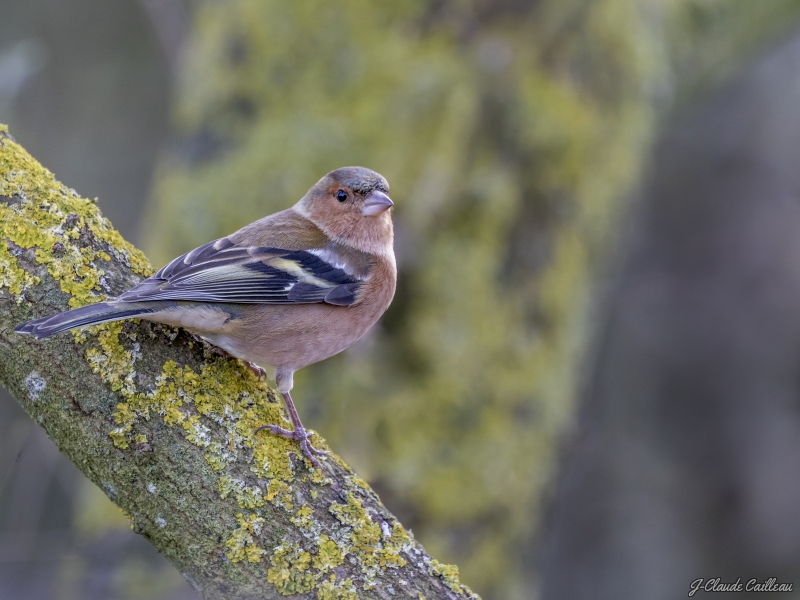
(287, 337)
(197, 318)
(292, 337)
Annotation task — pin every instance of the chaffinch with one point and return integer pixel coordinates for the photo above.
(286, 291)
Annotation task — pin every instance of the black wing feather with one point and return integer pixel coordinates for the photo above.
(223, 272)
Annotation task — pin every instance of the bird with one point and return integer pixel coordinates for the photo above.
(286, 291)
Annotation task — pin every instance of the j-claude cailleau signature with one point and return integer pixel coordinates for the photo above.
(716, 584)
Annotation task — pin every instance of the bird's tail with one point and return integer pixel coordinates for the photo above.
(102, 312)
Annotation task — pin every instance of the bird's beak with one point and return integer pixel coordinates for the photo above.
(375, 203)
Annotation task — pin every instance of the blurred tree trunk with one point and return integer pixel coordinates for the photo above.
(165, 427)
(686, 463)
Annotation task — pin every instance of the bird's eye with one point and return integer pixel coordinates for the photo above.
(341, 195)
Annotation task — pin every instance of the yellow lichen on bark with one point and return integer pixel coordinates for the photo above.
(51, 225)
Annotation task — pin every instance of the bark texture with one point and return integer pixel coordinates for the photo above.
(164, 425)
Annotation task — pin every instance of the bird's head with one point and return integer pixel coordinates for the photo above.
(352, 205)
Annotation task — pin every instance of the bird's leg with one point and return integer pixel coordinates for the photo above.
(299, 434)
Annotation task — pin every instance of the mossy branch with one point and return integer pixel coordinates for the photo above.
(164, 424)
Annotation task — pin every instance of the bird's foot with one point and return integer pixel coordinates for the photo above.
(301, 436)
(255, 369)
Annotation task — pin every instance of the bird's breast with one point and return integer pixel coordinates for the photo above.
(294, 336)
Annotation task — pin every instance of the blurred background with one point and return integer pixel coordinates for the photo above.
(588, 384)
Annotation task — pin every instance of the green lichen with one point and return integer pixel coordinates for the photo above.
(279, 493)
(367, 544)
(16, 280)
(331, 590)
(290, 573)
(303, 519)
(224, 393)
(58, 223)
(362, 539)
(242, 544)
(449, 575)
(110, 359)
(247, 497)
(221, 394)
(224, 400)
(329, 555)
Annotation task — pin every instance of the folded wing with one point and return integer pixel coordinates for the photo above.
(223, 272)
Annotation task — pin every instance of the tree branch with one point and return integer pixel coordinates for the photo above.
(164, 425)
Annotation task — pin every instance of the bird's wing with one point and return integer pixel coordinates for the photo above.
(221, 271)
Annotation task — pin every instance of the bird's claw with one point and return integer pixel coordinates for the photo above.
(301, 436)
(255, 369)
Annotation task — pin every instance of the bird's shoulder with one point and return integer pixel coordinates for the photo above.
(287, 229)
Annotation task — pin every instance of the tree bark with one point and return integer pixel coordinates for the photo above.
(164, 424)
